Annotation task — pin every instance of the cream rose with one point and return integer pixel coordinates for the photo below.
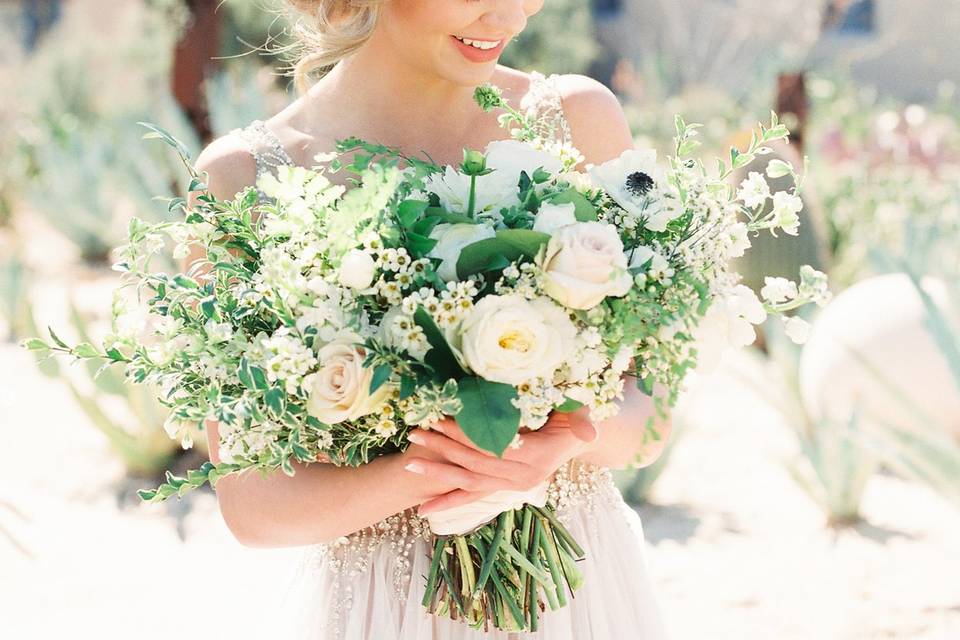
(340, 389)
(451, 239)
(511, 339)
(583, 264)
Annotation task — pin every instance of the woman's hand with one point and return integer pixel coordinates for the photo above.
(475, 473)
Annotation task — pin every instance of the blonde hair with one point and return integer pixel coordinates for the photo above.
(328, 31)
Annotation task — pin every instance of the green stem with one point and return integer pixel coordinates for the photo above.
(516, 556)
(491, 552)
(432, 576)
(509, 600)
(561, 531)
(472, 201)
(549, 590)
(550, 552)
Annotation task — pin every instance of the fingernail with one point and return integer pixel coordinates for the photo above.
(416, 438)
(437, 427)
(414, 467)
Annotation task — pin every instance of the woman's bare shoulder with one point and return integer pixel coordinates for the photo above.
(229, 166)
(597, 121)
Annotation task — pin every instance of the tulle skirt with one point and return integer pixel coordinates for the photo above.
(371, 589)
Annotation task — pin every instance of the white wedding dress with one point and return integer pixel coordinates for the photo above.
(369, 585)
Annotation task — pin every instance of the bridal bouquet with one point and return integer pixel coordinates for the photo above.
(329, 321)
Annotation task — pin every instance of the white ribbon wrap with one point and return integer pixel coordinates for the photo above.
(467, 517)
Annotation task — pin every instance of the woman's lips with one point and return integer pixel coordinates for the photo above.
(474, 54)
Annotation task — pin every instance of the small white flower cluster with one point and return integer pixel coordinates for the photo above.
(238, 444)
(284, 357)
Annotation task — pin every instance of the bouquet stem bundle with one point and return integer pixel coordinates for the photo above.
(506, 571)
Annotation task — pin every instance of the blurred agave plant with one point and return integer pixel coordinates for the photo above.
(129, 416)
(834, 465)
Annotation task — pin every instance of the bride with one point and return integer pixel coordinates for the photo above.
(402, 73)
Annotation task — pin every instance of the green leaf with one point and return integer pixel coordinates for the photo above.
(259, 378)
(56, 338)
(687, 147)
(162, 134)
(408, 386)
(779, 169)
(275, 400)
(646, 385)
(243, 372)
(380, 376)
(488, 416)
(484, 255)
(524, 240)
(86, 350)
(185, 282)
(450, 218)
(440, 356)
(569, 405)
(209, 307)
(34, 344)
(490, 253)
(410, 211)
(584, 211)
(419, 245)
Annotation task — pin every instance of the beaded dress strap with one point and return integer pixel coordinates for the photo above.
(544, 101)
(265, 147)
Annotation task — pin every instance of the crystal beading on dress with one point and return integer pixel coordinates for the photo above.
(573, 484)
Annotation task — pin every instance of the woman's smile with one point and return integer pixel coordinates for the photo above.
(477, 50)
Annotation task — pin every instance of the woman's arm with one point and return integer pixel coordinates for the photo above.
(321, 502)
(623, 439)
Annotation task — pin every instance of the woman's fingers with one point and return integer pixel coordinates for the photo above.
(466, 456)
(455, 498)
(456, 476)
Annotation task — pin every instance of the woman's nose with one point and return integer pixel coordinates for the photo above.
(508, 16)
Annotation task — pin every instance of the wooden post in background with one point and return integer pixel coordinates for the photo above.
(793, 105)
(193, 62)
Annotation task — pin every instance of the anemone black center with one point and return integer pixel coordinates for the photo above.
(639, 183)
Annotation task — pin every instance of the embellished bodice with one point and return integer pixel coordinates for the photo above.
(575, 482)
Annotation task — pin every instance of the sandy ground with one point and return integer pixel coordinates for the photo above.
(736, 549)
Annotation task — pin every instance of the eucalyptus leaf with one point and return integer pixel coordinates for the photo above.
(488, 416)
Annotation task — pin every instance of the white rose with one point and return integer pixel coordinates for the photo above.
(451, 239)
(551, 217)
(511, 339)
(357, 269)
(340, 388)
(512, 156)
(583, 264)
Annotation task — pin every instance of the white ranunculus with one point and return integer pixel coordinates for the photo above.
(451, 239)
(583, 264)
(551, 217)
(511, 339)
(797, 329)
(340, 388)
(494, 191)
(467, 517)
(357, 269)
(512, 156)
(728, 323)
